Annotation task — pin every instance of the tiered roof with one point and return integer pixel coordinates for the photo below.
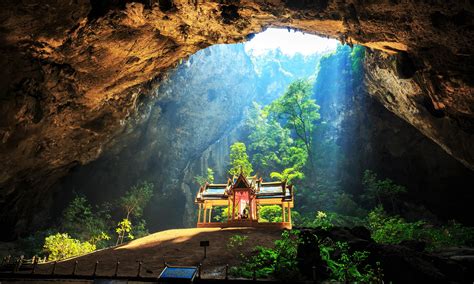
(262, 190)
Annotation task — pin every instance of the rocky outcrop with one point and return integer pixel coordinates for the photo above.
(75, 73)
(193, 109)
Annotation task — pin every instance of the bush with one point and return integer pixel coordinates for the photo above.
(392, 229)
(270, 213)
(349, 267)
(323, 220)
(279, 261)
(61, 246)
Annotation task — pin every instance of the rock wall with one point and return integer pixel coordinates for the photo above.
(371, 137)
(193, 109)
(198, 112)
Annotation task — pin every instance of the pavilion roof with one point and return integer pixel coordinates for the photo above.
(262, 190)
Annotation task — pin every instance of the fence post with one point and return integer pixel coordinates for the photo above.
(20, 262)
(254, 275)
(139, 268)
(54, 268)
(314, 273)
(75, 268)
(95, 268)
(35, 262)
(116, 268)
(199, 270)
(226, 272)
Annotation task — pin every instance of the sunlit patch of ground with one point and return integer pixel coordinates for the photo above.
(175, 247)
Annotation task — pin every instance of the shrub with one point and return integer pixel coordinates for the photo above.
(392, 229)
(349, 267)
(270, 213)
(323, 220)
(61, 246)
(279, 261)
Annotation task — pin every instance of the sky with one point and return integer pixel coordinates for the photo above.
(289, 42)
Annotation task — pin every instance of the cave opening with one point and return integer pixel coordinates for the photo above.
(334, 120)
(233, 94)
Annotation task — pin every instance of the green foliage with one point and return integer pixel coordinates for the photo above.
(239, 160)
(61, 246)
(201, 180)
(124, 229)
(323, 220)
(270, 213)
(99, 238)
(380, 191)
(219, 213)
(297, 111)
(279, 262)
(236, 241)
(357, 58)
(140, 230)
(136, 198)
(288, 175)
(452, 234)
(349, 267)
(394, 229)
(84, 223)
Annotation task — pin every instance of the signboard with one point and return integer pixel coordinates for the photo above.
(178, 273)
(204, 243)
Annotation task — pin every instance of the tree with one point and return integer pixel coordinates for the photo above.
(287, 174)
(201, 180)
(136, 198)
(275, 152)
(124, 227)
(133, 204)
(381, 190)
(83, 222)
(297, 111)
(239, 160)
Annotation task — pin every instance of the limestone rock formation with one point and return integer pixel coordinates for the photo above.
(74, 73)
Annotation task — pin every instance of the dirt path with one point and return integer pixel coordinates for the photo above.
(175, 247)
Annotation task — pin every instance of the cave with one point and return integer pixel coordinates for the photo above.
(99, 96)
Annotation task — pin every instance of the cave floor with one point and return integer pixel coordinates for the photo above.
(175, 247)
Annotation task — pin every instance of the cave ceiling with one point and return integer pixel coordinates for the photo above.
(74, 73)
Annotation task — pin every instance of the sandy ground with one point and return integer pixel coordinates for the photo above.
(175, 247)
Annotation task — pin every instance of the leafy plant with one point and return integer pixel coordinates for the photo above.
(83, 222)
(61, 246)
(239, 160)
(392, 229)
(346, 266)
(297, 111)
(279, 261)
(134, 200)
(270, 213)
(236, 241)
(209, 177)
(288, 175)
(381, 190)
(323, 220)
(124, 229)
